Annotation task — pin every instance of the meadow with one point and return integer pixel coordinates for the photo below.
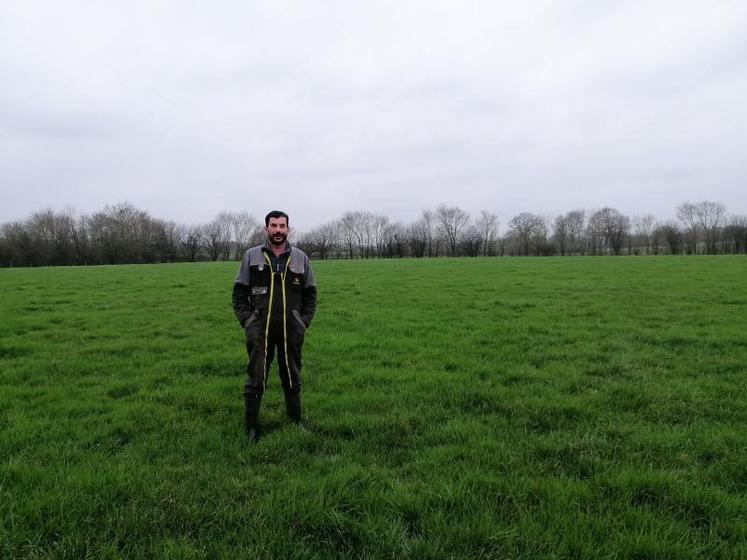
(515, 408)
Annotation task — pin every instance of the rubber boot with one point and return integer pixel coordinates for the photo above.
(293, 406)
(251, 417)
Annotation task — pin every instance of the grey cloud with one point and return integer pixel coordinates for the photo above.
(545, 106)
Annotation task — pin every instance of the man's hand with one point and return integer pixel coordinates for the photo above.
(300, 318)
(250, 320)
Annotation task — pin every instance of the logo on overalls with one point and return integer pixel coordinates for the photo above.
(296, 281)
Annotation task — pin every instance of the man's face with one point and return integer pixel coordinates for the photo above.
(277, 231)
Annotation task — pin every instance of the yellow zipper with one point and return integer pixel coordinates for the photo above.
(267, 324)
(285, 326)
(285, 321)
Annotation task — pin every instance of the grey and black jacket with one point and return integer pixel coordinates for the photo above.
(257, 283)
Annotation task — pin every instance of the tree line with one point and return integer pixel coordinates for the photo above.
(121, 233)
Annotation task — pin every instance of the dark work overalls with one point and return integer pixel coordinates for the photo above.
(275, 309)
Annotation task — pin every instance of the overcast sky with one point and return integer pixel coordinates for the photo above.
(187, 108)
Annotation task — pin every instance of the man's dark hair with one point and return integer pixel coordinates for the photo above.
(276, 214)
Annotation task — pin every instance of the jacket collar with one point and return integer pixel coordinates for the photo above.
(267, 247)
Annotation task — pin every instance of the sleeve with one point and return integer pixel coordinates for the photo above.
(308, 294)
(241, 292)
(242, 276)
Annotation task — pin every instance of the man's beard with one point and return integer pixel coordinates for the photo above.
(275, 241)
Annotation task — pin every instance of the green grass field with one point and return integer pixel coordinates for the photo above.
(487, 408)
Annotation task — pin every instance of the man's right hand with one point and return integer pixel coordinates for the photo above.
(253, 318)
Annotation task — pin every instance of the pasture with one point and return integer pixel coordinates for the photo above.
(454, 408)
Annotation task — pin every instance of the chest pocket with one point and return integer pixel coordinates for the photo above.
(295, 281)
(259, 277)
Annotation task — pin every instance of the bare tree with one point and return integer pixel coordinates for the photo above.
(418, 237)
(423, 237)
(171, 238)
(568, 232)
(530, 230)
(735, 234)
(64, 224)
(79, 236)
(431, 231)
(5, 251)
(451, 222)
(561, 234)
(710, 218)
(192, 242)
(617, 227)
(542, 247)
(242, 227)
(643, 228)
(396, 240)
(322, 239)
(672, 236)
(348, 230)
(487, 225)
(520, 227)
(611, 227)
(41, 226)
(575, 225)
(19, 244)
(702, 219)
(595, 234)
(379, 227)
(471, 241)
(687, 214)
(124, 234)
(216, 237)
(226, 220)
(48, 238)
(501, 245)
(364, 233)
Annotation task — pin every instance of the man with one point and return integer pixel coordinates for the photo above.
(274, 299)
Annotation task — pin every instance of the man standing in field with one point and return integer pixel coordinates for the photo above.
(274, 299)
